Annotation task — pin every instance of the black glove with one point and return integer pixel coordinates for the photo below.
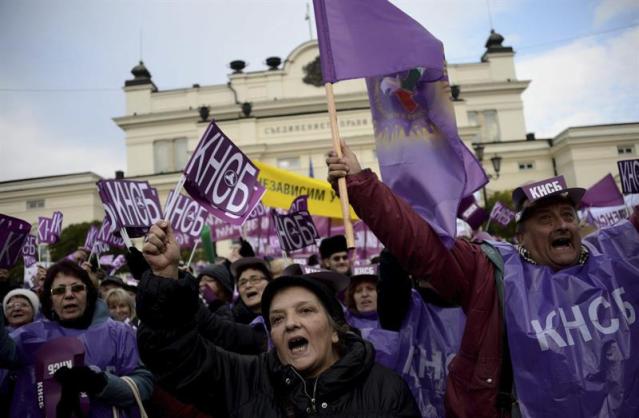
(137, 263)
(81, 379)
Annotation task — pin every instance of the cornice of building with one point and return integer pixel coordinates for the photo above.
(599, 133)
(59, 180)
(494, 87)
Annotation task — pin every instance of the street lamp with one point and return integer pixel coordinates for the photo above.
(495, 161)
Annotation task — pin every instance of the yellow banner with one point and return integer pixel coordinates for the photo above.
(283, 186)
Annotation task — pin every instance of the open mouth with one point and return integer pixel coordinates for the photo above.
(70, 307)
(251, 294)
(561, 243)
(298, 345)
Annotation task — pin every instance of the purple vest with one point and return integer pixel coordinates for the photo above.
(573, 334)
(420, 352)
(110, 346)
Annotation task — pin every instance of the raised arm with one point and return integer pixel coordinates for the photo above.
(408, 237)
(170, 340)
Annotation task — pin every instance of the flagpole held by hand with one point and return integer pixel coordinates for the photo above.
(341, 182)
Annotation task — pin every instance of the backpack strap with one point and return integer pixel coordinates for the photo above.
(506, 398)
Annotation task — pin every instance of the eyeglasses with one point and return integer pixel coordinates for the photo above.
(15, 305)
(339, 257)
(62, 289)
(252, 280)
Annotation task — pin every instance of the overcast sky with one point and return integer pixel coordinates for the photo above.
(63, 62)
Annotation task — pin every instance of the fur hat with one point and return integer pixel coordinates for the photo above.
(332, 245)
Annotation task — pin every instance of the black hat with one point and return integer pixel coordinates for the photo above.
(528, 195)
(332, 245)
(112, 280)
(369, 273)
(251, 262)
(219, 273)
(323, 293)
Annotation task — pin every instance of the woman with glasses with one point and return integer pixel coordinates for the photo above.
(21, 306)
(252, 274)
(71, 308)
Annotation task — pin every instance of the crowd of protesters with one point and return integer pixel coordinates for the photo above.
(420, 330)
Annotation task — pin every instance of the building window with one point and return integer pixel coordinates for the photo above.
(625, 150)
(526, 166)
(292, 163)
(488, 123)
(170, 155)
(35, 204)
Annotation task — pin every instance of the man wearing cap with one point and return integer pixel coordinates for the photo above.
(216, 288)
(539, 315)
(334, 252)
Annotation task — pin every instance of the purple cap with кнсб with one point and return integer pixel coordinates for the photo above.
(526, 196)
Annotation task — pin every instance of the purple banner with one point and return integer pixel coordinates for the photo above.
(295, 230)
(187, 216)
(300, 203)
(13, 233)
(133, 205)
(105, 239)
(117, 264)
(629, 175)
(502, 214)
(603, 217)
(49, 229)
(30, 250)
(416, 136)
(221, 178)
(366, 243)
(51, 356)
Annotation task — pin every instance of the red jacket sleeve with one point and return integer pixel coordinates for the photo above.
(412, 241)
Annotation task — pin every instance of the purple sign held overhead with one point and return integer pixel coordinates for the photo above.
(501, 214)
(92, 234)
(629, 174)
(133, 205)
(295, 230)
(105, 239)
(50, 229)
(471, 212)
(29, 250)
(221, 178)
(186, 215)
(13, 233)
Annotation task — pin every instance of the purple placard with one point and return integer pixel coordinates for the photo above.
(471, 212)
(312, 269)
(534, 191)
(133, 205)
(92, 234)
(29, 250)
(117, 264)
(187, 216)
(221, 178)
(13, 233)
(629, 175)
(51, 356)
(603, 217)
(106, 260)
(295, 230)
(502, 214)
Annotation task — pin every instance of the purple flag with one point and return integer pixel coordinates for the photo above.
(92, 234)
(299, 203)
(186, 215)
(421, 156)
(470, 211)
(50, 229)
(502, 214)
(221, 178)
(13, 233)
(29, 250)
(629, 175)
(367, 38)
(117, 263)
(105, 239)
(133, 205)
(603, 193)
(608, 216)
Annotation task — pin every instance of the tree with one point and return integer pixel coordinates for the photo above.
(495, 228)
(72, 237)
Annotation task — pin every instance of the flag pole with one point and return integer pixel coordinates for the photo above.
(487, 225)
(341, 182)
(197, 242)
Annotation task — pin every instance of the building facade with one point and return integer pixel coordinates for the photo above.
(279, 116)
